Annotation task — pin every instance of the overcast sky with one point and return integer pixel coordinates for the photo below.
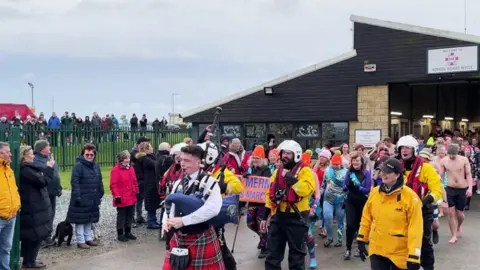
(125, 56)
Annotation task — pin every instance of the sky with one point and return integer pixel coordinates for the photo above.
(125, 56)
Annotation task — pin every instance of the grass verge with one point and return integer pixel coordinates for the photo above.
(66, 176)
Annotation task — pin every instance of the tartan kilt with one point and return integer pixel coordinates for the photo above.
(205, 254)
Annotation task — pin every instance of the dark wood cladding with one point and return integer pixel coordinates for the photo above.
(330, 94)
(400, 56)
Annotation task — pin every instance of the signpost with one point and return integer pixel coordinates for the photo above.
(368, 137)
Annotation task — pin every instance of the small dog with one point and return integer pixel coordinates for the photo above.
(64, 229)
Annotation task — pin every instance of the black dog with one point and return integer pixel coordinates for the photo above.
(64, 229)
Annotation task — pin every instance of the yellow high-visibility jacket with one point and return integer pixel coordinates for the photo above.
(234, 185)
(304, 188)
(9, 197)
(392, 224)
(429, 176)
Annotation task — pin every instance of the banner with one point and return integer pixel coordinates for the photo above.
(254, 188)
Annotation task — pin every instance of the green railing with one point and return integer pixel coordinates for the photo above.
(67, 143)
(14, 140)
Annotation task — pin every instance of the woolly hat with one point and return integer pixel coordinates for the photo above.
(426, 153)
(275, 152)
(307, 158)
(336, 160)
(40, 145)
(325, 153)
(258, 152)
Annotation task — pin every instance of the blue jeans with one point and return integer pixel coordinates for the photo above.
(328, 208)
(83, 233)
(7, 227)
(152, 218)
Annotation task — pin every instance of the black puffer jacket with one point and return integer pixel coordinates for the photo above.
(36, 213)
(87, 192)
(163, 161)
(146, 167)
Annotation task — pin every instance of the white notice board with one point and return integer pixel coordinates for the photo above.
(368, 137)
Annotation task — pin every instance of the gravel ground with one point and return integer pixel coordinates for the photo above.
(106, 228)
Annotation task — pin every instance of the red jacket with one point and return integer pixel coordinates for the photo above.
(236, 164)
(123, 184)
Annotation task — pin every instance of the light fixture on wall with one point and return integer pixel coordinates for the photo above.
(428, 116)
(396, 113)
(268, 91)
(447, 118)
(464, 120)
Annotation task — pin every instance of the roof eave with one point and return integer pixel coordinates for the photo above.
(272, 83)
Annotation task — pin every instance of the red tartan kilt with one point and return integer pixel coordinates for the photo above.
(205, 254)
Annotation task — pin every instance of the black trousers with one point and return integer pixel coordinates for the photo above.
(125, 217)
(53, 203)
(29, 250)
(140, 198)
(228, 259)
(427, 259)
(382, 263)
(354, 211)
(286, 228)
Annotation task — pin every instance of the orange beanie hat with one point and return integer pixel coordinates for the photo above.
(336, 160)
(258, 152)
(275, 152)
(306, 158)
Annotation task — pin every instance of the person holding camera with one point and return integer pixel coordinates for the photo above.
(287, 201)
(123, 184)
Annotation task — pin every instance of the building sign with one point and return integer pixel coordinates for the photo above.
(452, 60)
(368, 137)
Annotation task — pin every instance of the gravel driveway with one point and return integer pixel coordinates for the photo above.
(106, 228)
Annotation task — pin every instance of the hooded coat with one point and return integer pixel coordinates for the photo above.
(145, 166)
(87, 192)
(36, 213)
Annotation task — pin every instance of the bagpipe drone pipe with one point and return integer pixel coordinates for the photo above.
(187, 204)
(190, 202)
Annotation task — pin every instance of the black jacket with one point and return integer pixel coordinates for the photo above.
(163, 161)
(36, 213)
(146, 167)
(136, 166)
(54, 186)
(87, 192)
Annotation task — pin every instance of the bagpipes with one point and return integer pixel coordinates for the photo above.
(190, 201)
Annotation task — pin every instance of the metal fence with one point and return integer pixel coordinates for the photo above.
(67, 143)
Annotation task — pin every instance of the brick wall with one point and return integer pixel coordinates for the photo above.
(372, 110)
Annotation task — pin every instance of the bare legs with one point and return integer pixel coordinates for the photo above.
(455, 222)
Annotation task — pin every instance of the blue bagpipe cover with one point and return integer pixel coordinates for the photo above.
(187, 204)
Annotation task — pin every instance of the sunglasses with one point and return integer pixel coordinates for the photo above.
(89, 155)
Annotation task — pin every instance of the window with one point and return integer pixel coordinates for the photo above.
(282, 131)
(254, 134)
(335, 132)
(308, 131)
(232, 131)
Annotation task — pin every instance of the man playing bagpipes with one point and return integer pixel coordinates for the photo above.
(168, 179)
(229, 185)
(189, 210)
(287, 200)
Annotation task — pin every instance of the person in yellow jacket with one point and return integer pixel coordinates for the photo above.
(392, 223)
(288, 202)
(422, 178)
(229, 184)
(9, 205)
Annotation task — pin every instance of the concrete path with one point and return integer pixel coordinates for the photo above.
(464, 255)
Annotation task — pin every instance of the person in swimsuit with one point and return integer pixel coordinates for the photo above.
(459, 188)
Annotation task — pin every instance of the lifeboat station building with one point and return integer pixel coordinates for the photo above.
(399, 79)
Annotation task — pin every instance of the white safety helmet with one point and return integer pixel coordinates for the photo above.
(292, 146)
(408, 141)
(212, 152)
(177, 148)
